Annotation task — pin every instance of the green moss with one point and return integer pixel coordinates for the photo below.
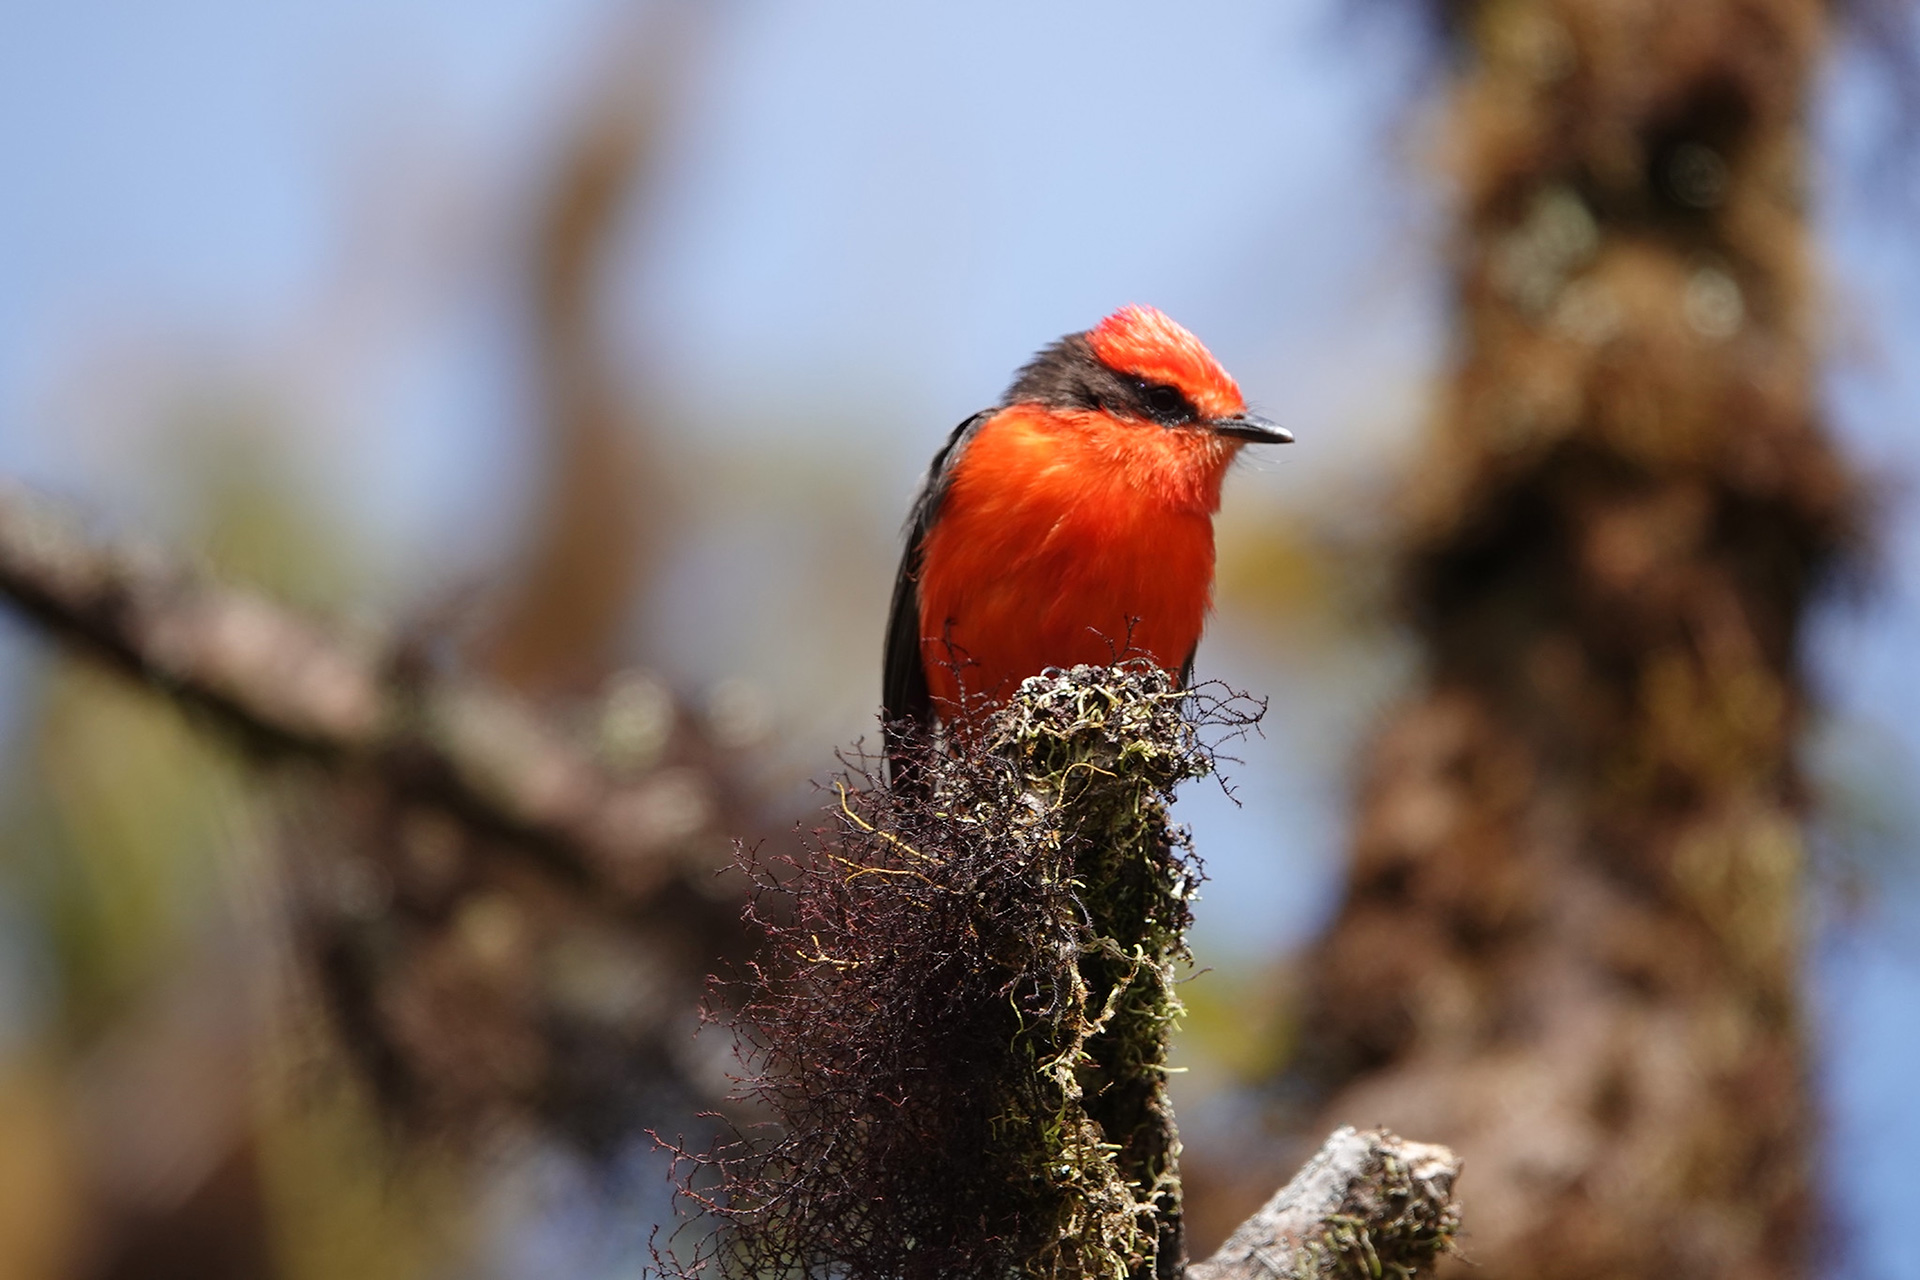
(1097, 753)
(1392, 1231)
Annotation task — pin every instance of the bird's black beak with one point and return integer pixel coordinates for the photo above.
(1251, 427)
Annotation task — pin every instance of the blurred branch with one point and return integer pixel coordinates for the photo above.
(1367, 1204)
(593, 532)
(284, 685)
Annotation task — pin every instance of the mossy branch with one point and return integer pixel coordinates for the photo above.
(1368, 1205)
(290, 687)
(962, 1024)
(427, 799)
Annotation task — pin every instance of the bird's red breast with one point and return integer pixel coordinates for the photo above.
(1067, 537)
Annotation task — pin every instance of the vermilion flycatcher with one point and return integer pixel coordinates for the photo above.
(1071, 523)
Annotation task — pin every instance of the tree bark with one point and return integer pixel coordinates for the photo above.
(1568, 946)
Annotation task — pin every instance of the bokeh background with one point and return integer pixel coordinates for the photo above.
(583, 337)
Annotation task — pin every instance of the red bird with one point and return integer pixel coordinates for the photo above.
(1072, 523)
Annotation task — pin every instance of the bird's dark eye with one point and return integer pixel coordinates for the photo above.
(1165, 404)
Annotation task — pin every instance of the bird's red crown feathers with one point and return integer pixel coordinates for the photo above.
(1146, 343)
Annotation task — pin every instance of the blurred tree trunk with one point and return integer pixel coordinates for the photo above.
(1568, 946)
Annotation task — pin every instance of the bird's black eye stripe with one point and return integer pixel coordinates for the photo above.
(1068, 375)
(1164, 404)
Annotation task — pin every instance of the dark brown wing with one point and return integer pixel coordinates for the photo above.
(906, 705)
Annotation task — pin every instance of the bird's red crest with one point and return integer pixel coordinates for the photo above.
(1147, 343)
